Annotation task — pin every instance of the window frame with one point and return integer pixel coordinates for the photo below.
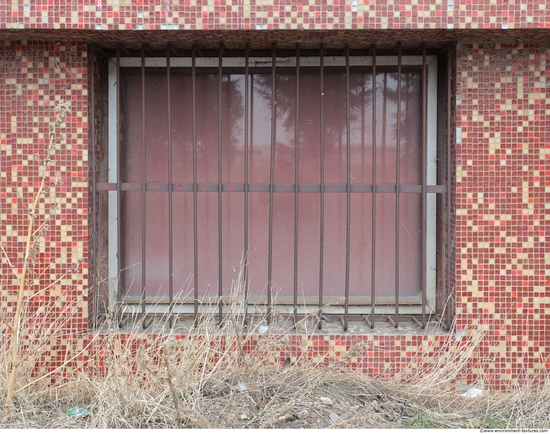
(431, 62)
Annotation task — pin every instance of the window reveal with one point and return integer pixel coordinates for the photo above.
(284, 141)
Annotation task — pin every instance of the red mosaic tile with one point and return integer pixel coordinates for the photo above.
(192, 15)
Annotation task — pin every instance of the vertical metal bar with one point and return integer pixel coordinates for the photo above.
(363, 122)
(251, 163)
(348, 190)
(322, 194)
(118, 186)
(170, 203)
(271, 180)
(296, 179)
(143, 189)
(251, 128)
(384, 116)
(397, 183)
(195, 188)
(373, 226)
(446, 268)
(92, 150)
(220, 179)
(246, 175)
(424, 184)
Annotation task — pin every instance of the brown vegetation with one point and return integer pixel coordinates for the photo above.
(212, 382)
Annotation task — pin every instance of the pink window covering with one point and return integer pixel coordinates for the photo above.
(233, 137)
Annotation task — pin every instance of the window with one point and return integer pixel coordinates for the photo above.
(326, 188)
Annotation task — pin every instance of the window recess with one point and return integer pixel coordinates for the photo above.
(318, 172)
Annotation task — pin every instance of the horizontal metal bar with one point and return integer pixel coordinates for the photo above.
(264, 188)
(308, 302)
(211, 307)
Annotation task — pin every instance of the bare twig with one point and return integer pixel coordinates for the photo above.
(60, 118)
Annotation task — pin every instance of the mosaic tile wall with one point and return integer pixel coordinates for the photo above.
(34, 78)
(502, 201)
(263, 14)
(502, 158)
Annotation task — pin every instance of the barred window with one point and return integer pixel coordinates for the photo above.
(317, 171)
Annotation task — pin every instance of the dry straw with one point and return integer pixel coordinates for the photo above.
(229, 375)
(34, 234)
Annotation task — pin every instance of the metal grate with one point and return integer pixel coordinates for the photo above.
(245, 64)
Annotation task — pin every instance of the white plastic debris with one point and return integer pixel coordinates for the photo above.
(325, 400)
(241, 387)
(262, 329)
(78, 412)
(301, 414)
(474, 392)
(333, 417)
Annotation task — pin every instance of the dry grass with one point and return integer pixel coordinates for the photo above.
(238, 392)
(211, 382)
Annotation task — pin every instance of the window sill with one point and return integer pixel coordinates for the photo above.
(332, 325)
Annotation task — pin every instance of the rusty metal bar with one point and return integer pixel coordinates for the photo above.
(220, 166)
(447, 255)
(363, 129)
(322, 181)
(348, 191)
(271, 180)
(195, 188)
(418, 323)
(373, 226)
(424, 184)
(397, 184)
(92, 150)
(246, 175)
(170, 203)
(143, 192)
(251, 130)
(251, 150)
(118, 187)
(384, 115)
(277, 188)
(296, 179)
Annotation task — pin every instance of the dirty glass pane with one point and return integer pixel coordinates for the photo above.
(308, 130)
